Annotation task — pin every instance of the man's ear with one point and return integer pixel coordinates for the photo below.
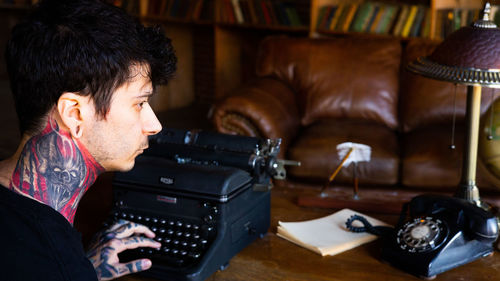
(72, 108)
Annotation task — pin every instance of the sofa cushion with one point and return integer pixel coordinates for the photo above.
(316, 149)
(433, 165)
(356, 78)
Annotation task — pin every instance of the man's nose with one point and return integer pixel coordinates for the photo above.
(151, 125)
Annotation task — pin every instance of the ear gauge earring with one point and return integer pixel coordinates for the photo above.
(78, 132)
(492, 113)
(452, 145)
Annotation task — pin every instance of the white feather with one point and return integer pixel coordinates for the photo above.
(360, 152)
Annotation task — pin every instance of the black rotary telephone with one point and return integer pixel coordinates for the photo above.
(435, 234)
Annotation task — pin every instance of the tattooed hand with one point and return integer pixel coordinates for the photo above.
(121, 236)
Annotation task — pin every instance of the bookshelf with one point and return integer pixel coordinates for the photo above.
(216, 40)
(432, 19)
(223, 37)
(225, 33)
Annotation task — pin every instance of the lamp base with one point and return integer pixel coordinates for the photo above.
(470, 192)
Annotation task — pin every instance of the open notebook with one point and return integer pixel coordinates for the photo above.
(327, 235)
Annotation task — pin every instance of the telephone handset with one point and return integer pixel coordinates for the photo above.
(435, 234)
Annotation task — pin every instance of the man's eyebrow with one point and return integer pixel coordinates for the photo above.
(147, 94)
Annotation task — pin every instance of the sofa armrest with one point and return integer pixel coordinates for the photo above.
(265, 108)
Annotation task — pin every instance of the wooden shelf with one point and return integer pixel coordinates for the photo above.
(287, 29)
(167, 20)
(360, 34)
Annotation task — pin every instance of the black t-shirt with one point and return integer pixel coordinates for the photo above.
(38, 243)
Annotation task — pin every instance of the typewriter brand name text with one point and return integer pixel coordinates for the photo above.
(166, 180)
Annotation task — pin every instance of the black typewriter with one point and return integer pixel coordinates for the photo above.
(205, 195)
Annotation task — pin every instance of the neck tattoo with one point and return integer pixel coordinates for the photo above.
(55, 169)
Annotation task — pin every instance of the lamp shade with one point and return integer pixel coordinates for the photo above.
(470, 55)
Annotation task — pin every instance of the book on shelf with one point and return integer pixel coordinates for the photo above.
(293, 15)
(408, 21)
(245, 12)
(350, 16)
(362, 17)
(206, 11)
(228, 12)
(272, 12)
(321, 19)
(263, 12)
(132, 7)
(324, 16)
(252, 12)
(391, 13)
(417, 24)
(374, 17)
(426, 25)
(164, 9)
(335, 17)
(339, 25)
(196, 12)
(266, 13)
(281, 14)
(237, 11)
(327, 235)
(400, 20)
(449, 20)
(378, 16)
(259, 12)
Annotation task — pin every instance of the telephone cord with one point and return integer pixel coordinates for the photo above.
(367, 226)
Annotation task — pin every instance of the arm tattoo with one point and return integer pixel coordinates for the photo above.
(55, 169)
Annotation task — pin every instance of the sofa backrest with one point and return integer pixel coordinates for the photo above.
(355, 78)
(425, 101)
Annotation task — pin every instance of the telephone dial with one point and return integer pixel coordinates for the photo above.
(435, 234)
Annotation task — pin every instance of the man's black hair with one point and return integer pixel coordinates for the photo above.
(84, 46)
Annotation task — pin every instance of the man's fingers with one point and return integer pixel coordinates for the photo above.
(118, 224)
(121, 245)
(132, 228)
(133, 266)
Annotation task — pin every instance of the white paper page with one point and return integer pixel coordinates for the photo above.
(329, 231)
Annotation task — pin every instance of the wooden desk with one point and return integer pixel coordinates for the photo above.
(273, 258)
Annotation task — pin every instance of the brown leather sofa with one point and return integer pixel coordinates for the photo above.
(317, 93)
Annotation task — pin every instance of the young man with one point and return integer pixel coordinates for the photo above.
(81, 73)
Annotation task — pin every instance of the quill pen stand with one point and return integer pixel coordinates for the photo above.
(339, 201)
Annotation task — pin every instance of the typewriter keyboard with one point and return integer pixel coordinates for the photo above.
(184, 241)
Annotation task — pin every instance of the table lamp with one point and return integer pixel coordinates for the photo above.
(470, 56)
